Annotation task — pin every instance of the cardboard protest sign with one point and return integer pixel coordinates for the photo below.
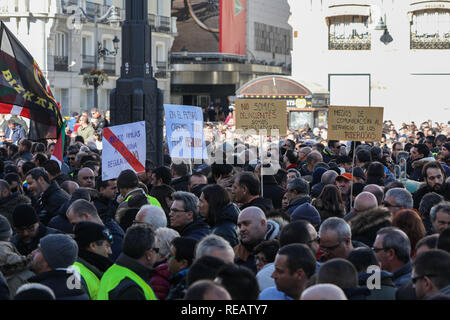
(261, 114)
(184, 131)
(124, 147)
(355, 123)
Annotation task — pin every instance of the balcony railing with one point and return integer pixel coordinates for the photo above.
(88, 63)
(61, 63)
(430, 41)
(354, 43)
(161, 64)
(109, 65)
(162, 74)
(163, 24)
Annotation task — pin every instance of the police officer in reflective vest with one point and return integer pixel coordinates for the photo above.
(94, 242)
(129, 277)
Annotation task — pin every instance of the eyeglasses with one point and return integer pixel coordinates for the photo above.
(316, 239)
(108, 236)
(176, 210)
(414, 279)
(323, 248)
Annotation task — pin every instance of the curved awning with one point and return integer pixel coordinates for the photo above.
(276, 87)
(429, 5)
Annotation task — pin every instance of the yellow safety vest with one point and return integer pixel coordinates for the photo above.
(114, 275)
(92, 281)
(153, 201)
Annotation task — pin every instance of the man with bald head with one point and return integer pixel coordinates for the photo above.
(377, 191)
(253, 229)
(69, 186)
(323, 291)
(364, 201)
(206, 290)
(86, 178)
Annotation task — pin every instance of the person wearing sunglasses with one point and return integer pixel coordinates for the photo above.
(94, 244)
(431, 274)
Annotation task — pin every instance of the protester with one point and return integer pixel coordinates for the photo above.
(51, 262)
(185, 217)
(253, 229)
(220, 213)
(294, 265)
(128, 278)
(182, 252)
(94, 247)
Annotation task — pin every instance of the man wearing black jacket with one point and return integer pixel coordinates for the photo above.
(50, 196)
(246, 192)
(51, 262)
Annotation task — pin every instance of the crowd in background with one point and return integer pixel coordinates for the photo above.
(312, 230)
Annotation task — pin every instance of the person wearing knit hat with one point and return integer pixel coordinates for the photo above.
(51, 262)
(28, 229)
(307, 212)
(94, 243)
(34, 291)
(5, 229)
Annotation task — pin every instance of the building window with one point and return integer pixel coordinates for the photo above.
(348, 33)
(430, 29)
(60, 57)
(272, 39)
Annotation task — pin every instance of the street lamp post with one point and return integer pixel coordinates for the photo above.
(136, 96)
(99, 52)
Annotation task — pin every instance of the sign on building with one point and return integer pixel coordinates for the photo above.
(261, 114)
(355, 123)
(124, 147)
(184, 131)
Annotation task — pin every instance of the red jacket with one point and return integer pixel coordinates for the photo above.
(160, 281)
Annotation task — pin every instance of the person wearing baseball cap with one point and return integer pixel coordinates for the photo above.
(51, 262)
(344, 186)
(94, 243)
(28, 229)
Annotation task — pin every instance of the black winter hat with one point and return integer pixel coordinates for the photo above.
(34, 291)
(87, 232)
(24, 215)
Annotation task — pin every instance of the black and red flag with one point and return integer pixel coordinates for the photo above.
(24, 90)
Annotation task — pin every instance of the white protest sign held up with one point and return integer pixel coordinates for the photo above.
(184, 131)
(124, 147)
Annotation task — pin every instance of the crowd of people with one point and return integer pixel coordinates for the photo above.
(320, 226)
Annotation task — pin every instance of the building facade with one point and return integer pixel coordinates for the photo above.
(62, 39)
(388, 53)
(202, 76)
